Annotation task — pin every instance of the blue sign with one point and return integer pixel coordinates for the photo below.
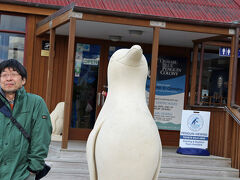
(226, 51)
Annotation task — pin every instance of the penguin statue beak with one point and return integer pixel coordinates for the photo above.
(133, 56)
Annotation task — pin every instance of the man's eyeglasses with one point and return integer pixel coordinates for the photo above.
(12, 75)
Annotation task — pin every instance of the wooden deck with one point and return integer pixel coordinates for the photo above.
(72, 164)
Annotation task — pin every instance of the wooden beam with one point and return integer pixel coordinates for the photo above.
(146, 23)
(54, 23)
(50, 68)
(194, 74)
(154, 61)
(214, 38)
(25, 9)
(69, 82)
(198, 28)
(116, 20)
(218, 43)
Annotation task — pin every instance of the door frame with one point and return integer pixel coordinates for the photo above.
(83, 133)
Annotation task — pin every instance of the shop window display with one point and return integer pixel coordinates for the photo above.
(12, 37)
(214, 80)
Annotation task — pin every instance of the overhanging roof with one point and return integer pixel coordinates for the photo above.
(211, 11)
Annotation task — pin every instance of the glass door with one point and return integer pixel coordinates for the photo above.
(85, 84)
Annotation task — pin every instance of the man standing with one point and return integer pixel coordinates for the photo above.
(20, 159)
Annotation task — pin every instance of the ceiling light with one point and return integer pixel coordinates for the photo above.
(135, 32)
(115, 38)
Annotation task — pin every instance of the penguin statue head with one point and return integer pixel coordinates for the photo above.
(127, 71)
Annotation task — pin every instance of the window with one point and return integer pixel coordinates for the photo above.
(214, 84)
(12, 37)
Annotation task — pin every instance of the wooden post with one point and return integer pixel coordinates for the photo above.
(235, 65)
(50, 68)
(227, 133)
(153, 78)
(230, 78)
(200, 75)
(194, 74)
(69, 82)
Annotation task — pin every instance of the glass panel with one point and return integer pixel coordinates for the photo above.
(12, 46)
(214, 80)
(85, 85)
(13, 23)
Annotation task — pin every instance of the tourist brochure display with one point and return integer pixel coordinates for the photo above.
(194, 133)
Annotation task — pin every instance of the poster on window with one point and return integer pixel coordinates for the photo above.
(169, 95)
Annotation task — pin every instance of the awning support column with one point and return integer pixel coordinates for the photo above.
(69, 82)
(50, 67)
(235, 65)
(194, 74)
(153, 78)
(227, 143)
(200, 75)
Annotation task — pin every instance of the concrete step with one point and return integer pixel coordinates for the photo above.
(72, 164)
(167, 176)
(199, 170)
(82, 168)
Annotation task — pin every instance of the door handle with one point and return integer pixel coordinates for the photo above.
(103, 99)
(98, 99)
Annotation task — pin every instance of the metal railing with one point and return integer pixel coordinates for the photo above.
(232, 114)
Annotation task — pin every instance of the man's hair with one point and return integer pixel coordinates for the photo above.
(15, 65)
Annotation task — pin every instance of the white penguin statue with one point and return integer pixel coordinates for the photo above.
(57, 118)
(125, 143)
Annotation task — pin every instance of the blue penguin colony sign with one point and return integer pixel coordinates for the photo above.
(194, 133)
(169, 95)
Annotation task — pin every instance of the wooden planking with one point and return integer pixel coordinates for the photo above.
(40, 66)
(228, 135)
(75, 133)
(36, 83)
(29, 48)
(59, 72)
(233, 147)
(238, 85)
(169, 138)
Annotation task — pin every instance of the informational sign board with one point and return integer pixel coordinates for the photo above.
(169, 94)
(194, 132)
(45, 48)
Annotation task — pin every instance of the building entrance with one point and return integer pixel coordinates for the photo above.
(86, 100)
